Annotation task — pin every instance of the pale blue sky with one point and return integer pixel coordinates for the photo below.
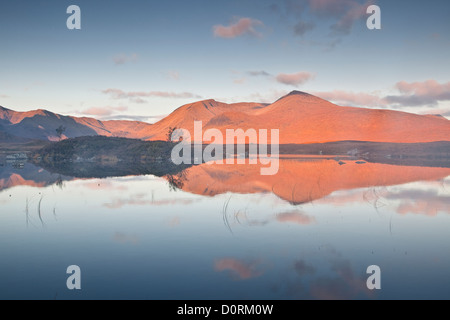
(155, 56)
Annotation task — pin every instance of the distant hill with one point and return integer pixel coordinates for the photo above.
(42, 125)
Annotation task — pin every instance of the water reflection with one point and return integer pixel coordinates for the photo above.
(302, 180)
(310, 232)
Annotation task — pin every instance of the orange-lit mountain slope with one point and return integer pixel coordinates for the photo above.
(304, 118)
(299, 117)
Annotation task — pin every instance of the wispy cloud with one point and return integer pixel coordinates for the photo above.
(410, 94)
(427, 93)
(123, 58)
(103, 111)
(344, 12)
(239, 80)
(137, 96)
(173, 75)
(303, 27)
(294, 79)
(349, 98)
(238, 28)
(260, 73)
(303, 16)
(4, 96)
(148, 119)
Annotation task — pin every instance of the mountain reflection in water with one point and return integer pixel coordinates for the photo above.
(225, 231)
(299, 179)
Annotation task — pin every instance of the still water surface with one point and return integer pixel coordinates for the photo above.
(225, 232)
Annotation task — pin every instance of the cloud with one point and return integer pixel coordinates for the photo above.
(352, 98)
(173, 75)
(103, 111)
(354, 11)
(413, 94)
(136, 96)
(240, 27)
(303, 27)
(344, 12)
(240, 270)
(4, 96)
(148, 119)
(123, 58)
(261, 73)
(239, 81)
(340, 14)
(294, 79)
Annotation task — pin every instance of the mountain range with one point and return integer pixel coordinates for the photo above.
(300, 118)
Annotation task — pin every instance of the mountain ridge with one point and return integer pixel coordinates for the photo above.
(299, 116)
(42, 124)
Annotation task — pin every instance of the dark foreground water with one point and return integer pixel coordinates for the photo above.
(227, 233)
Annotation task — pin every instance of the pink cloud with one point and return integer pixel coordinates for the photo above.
(411, 94)
(294, 79)
(136, 96)
(239, 28)
(241, 270)
(239, 81)
(429, 93)
(352, 98)
(103, 111)
(426, 88)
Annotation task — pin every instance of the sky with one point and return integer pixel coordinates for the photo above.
(140, 60)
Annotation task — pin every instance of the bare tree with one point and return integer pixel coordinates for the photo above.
(59, 131)
(170, 132)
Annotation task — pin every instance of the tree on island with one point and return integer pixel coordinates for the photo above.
(169, 134)
(59, 131)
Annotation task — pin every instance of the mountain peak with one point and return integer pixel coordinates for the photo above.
(300, 94)
(296, 92)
